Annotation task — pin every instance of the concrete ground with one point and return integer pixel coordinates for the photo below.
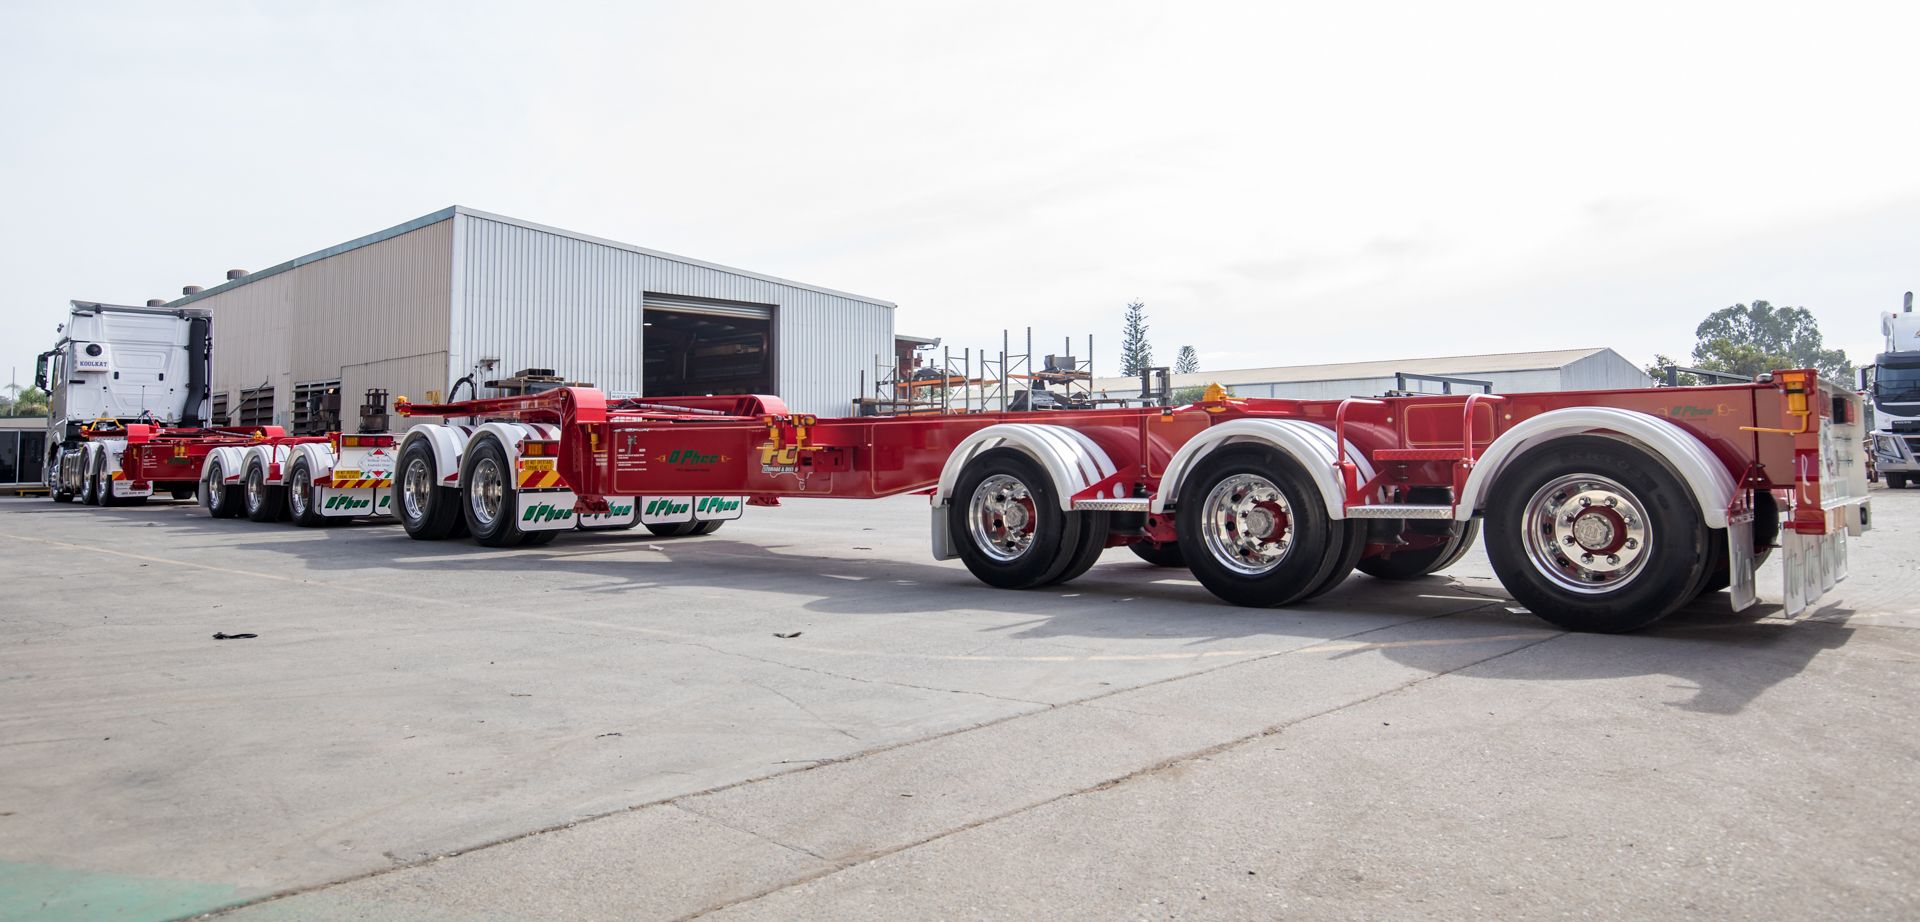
(802, 716)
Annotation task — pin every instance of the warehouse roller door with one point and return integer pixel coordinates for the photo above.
(700, 346)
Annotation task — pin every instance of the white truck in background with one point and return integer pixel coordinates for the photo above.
(114, 367)
(1895, 393)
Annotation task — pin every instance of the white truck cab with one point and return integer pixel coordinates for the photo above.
(1896, 399)
(114, 365)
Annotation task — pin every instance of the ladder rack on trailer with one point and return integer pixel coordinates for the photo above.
(1604, 510)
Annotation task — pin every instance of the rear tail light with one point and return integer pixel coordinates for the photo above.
(366, 441)
(534, 449)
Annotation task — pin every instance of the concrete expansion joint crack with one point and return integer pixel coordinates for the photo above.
(1147, 771)
(816, 764)
(752, 832)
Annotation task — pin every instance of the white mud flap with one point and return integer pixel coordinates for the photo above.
(622, 512)
(125, 488)
(1741, 585)
(666, 510)
(1810, 566)
(548, 510)
(718, 508)
(942, 545)
(350, 503)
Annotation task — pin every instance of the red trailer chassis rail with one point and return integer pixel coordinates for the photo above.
(1633, 500)
(126, 462)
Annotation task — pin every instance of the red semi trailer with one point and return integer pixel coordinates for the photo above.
(119, 463)
(1602, 510)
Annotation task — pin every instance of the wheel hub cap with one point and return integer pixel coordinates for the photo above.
(1247, 523)
(1002, 517)
(415, 485)
(1587, 533)
(486, 492)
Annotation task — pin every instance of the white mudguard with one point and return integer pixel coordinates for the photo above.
(622, 512)
(547, 510)
(1809, 566)
(718, 508)
(667, 510)
(358, 482)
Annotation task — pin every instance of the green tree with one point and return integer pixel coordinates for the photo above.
(1658, 371)
(1751, 339)
(1187, 362)
(1135, 352)
(19, 401)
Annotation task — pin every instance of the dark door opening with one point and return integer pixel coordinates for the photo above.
(692, 354)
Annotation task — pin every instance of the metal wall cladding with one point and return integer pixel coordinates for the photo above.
(1603, 370)
(335, 318)
(529, 297)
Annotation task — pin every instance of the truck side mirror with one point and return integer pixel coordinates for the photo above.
(40, 370)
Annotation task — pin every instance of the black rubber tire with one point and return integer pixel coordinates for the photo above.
(264, 502)
(1160, 555)
(709, 526)
(1896, 481)
(222, 501)
(105, 485)
(1056, 535)
(1426, 561)
(1468, 535)
(1094, 527)
(1352, 533)
(1312, 554)
(672, 529)
(90, 487)
(1678, 536)
(302, 473)
(183, 493)
(504, 530)
(61, 496)
(538, 538)
(1766, 530)
(441, 518)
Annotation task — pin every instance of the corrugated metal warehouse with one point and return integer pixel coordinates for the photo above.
(414, 307)
(1509, 373)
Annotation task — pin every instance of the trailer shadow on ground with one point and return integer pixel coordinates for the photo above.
(1122, 598)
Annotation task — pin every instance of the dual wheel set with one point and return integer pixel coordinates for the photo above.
(1589, 532)
(260, 501)
(485, 506)
(96, 489)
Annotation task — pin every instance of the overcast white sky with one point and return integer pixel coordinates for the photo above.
(1282, 183)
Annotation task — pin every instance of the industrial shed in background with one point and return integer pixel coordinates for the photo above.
(1510, 373)
(414, 307)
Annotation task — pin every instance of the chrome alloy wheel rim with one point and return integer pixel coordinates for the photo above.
(1247, 523)
(486, 492)
(1002, 517)
(416, 487)
(299, 492)
(256, 488)
(1587, 533)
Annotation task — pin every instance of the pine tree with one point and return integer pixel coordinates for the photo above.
(1187, 362)
(1135, 353)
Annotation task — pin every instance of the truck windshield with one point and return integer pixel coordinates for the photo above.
(1899, 383)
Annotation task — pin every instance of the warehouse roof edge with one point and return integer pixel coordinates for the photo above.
(452, 210)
